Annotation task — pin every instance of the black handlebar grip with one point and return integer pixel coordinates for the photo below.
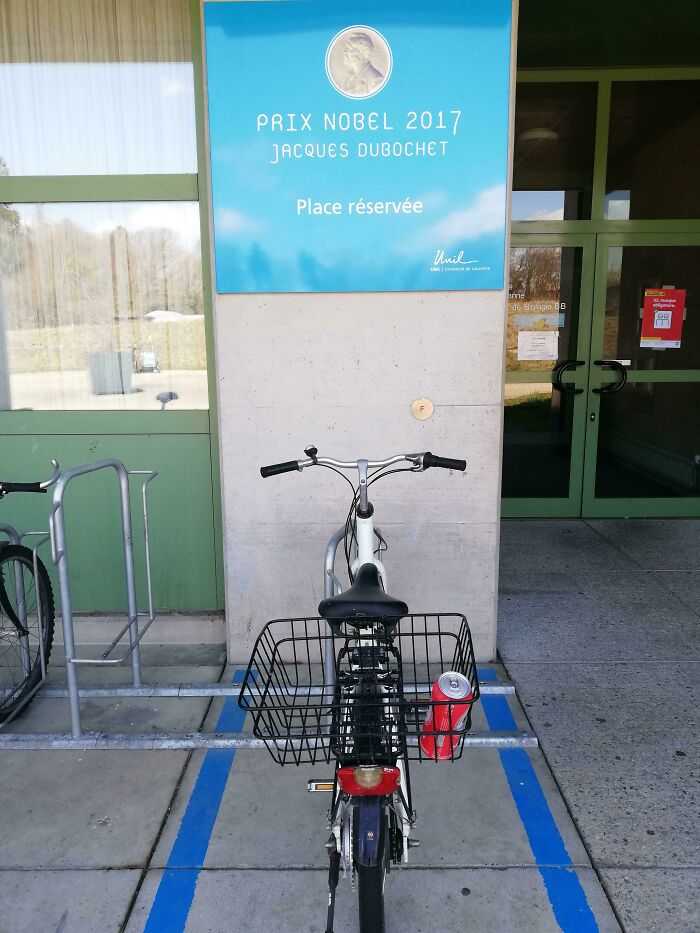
(21, 487)
(276, 468)
(445, 463)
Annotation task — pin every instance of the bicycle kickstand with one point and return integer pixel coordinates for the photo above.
(333, 875)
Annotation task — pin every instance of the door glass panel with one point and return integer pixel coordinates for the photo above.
(101, 306)
(554, 146)
(654, 150)
(634, 270)
(543, 311)
(543, 306)
(96, 88)
(649, 441)
(536, 441)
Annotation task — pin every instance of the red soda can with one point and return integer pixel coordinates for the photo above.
(451, 700)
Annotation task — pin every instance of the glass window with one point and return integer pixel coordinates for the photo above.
(649, 441)
(554, 148)
(632, 270)
(543, 306)
(96, 88)
(101, 306)
(654, 150)
(537, 432)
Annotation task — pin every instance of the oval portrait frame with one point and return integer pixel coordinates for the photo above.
(388, 74)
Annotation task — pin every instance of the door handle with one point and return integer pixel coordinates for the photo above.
(611, 386)
(559, 371)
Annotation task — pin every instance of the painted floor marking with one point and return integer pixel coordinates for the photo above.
(175, 894)
(566, 895)
(176, 890)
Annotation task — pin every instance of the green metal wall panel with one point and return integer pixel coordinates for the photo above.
(180, 515)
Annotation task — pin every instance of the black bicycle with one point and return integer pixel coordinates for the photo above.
(27, 615)
(367, 685)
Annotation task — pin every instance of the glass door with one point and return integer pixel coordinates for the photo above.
(547, 354)
(642, 450)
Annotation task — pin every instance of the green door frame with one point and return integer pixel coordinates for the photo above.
(571, 505)
(593, 507)
(595, 235)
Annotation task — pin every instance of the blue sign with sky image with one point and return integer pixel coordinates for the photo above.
(358, 146)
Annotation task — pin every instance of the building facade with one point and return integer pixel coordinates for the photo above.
(114, 344)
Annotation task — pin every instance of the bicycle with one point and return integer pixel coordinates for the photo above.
(27, 614)
(361, 685)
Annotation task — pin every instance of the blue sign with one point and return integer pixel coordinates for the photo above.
(358, 146)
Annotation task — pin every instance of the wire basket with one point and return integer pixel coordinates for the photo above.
(375, 704)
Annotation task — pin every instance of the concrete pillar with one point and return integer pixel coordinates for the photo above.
(341, 371)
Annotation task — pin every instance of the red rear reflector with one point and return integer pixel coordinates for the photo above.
(368, 782)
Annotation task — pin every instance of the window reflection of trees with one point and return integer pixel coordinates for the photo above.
(70, 290)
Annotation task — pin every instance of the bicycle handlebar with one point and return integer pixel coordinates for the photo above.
(32, 487)
(21, 487)
(445, 463)
(276, 468)
(420, 463)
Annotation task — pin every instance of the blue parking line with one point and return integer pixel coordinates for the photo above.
(173, 900)
(176, 890)
(566, 895)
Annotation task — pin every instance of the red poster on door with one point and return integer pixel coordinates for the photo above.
(662, 320)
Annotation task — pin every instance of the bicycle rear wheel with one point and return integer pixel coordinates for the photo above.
(23, 597)
(370, 891)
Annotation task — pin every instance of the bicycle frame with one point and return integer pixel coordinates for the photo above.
(366, 553)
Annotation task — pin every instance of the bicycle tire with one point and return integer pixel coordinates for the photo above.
(19, 676)
(370, 893)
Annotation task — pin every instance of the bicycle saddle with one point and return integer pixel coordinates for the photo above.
(364, 599)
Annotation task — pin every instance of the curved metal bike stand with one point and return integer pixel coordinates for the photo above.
(59, 552)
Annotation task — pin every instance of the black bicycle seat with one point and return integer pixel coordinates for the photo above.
(364, 599)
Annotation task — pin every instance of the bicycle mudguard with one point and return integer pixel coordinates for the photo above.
(368, 827)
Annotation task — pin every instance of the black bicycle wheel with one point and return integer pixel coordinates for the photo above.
(370, 890)
(22, 598)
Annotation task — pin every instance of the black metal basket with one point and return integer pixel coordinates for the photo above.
(361, 695)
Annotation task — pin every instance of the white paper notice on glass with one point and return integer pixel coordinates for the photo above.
(538, 344)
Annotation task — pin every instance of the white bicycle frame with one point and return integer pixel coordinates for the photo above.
(366, 553)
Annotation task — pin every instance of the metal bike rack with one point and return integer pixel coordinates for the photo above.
(59, 553)
(78, 739)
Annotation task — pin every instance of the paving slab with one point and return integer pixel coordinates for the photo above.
(197, 658)
(65, 901)
(557, 547)
(623, 744)
(684, 584)
(575, 616)
(466, 812)
(653, 543)
(94, 809)
(653, 899)
(417, 900)
(123, 714)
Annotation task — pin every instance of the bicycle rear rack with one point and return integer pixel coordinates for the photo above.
(79, 739)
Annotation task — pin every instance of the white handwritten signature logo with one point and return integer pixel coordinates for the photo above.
(458, 260)
(456, 263)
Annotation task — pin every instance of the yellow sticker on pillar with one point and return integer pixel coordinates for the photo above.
(662, 318)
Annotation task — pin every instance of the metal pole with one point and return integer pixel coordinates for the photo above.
(129, 568)
(192, 740)
(502, 688)
(331, 586)
(57, 529)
